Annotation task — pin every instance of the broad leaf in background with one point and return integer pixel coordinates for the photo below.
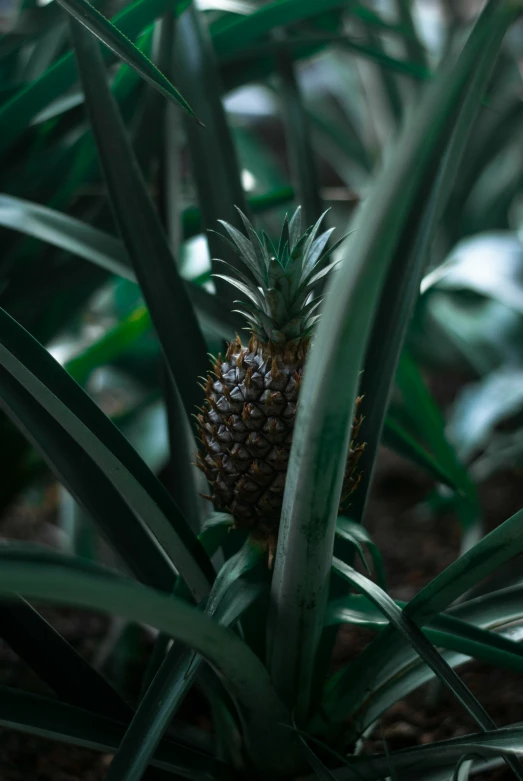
(481, 406)
(490, 264)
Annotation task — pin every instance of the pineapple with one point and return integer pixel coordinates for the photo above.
(247, 420)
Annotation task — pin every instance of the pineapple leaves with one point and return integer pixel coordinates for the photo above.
(315, 252)
(284, 241)
(116, 487)
(295, 229)
(246, 289)
(286, 277)
(142, 233)
(430, 655)
(57, 721)
(309, 257)
(115, 40)
(260, 250)
(245, 250)
(58, 579)
(331, 383)
(179, 669)
(484, 558)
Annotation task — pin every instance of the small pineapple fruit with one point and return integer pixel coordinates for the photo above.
(248, 418)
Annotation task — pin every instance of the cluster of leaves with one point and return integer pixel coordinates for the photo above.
(257, 643)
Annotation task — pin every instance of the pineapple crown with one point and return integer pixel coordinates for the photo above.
(280, 304)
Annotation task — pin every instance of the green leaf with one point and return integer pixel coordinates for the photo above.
(444, 631)
(236, 35)
(178, 671)
(355, 533)
(82, 444)
(164, 291)
(429, 422)
(214, 533)
(28, 101)
(398, 439)
(111, 36)
(111, 345)
(387, 78)
(65, 232)
(463, 768)
(331, 382)
(51, 657)
(108, 252)
(491, 552)
(414, 47)
(213, 155)
(403, 284)
(63, 581)
(444, 753)
(298, 141)
(320, 770)
(413, 635)
(53, 720)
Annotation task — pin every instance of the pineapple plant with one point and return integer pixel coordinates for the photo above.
(246, 424)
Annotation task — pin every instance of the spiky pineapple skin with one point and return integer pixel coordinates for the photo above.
(247, 425)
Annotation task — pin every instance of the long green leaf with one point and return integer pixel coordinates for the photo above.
(323, 426)
(357, 535)
(53, 720)
(42, 398)
(214, 533)
(49, 577)
(236, 35)
(430, 424)
(167, 300)
(404, 276)
(298, 142)
(68, 233)
(491, 552)
(90, 243)
(444, 631)
(214, 160)
(178, 671)
(111, 36)
(16, 113)
(444, 753)
(396, 437)
(109, 253)
(415, 637)
(51, 657)
(413, 45)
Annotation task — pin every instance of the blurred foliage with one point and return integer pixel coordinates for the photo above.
(302, 102)
(356, 70)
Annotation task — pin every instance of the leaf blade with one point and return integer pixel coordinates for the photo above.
(115, 40)
(330, 386)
